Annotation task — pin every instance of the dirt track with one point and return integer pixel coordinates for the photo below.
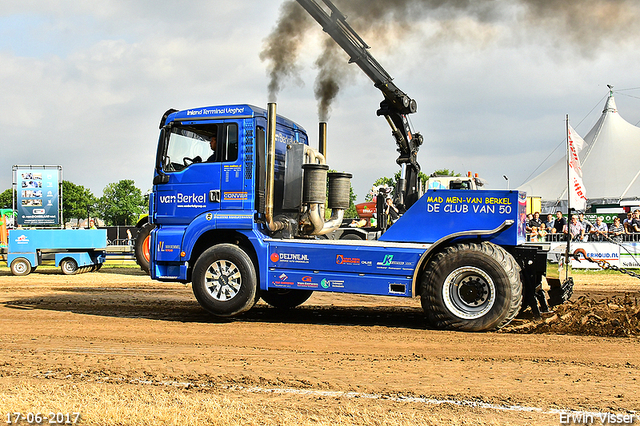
(118, 329)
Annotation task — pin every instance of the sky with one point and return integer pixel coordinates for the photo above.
(84, 84)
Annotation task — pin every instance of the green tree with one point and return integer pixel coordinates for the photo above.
(6, 199)
(446, 172)
(77, 201)
(121, 203)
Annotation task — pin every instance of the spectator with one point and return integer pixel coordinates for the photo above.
(535, 221)
(635, 221)
(599, 230)
(560, 224)
(542, 233)
(616, 230)
(585, 224)
(576, 230)
(627, 223)
(533, 236)
(549, 222)
(527, 224)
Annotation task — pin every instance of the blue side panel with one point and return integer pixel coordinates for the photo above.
(30, 240)
(443, 212)
(31, 257)
(384, 285)
(82, 258)
(169, 243)
(368, 269)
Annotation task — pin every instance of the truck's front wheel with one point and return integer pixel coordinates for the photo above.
(224, 280)
(472, 287)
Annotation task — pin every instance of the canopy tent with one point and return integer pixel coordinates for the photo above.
(610, 165)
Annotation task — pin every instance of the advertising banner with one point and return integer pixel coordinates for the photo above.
(37, 196)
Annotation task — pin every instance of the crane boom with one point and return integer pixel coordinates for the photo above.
(396, 104)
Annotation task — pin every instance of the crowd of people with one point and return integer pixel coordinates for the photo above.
(579, 228)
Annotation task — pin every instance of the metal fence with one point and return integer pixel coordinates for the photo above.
(557, 237)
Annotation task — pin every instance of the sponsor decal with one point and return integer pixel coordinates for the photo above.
(288, 139)
(215, 111)
(388, 261)
(184, 200)
(235, 196)
(22, 239)
(291, 258)
(274, 257)
(307, 279)
(283, 276)
(39, 211)
(209, 216)
(325, 283)
(341, 260)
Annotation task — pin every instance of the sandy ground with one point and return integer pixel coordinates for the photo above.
(337, 359)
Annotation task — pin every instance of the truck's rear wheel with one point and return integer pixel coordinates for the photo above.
(142, 248)
(20, 266)
(286, 298)
(472, 287)
(224, 280)
(68, 266)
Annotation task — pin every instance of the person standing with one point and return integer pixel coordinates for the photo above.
(576, 230)
(560, 224)
(616, 230)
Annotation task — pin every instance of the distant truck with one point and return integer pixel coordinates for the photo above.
(73, 250)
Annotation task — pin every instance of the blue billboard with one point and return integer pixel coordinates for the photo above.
(37, 195)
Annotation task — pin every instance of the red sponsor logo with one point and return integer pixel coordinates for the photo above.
(275, 257)
(307, 279)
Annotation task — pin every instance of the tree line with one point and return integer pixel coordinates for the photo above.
(121, 202)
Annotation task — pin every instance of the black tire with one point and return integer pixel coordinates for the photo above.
(142, 249)
(352, 237)
(69, 266)
(472, 287)
(224, 280)
(286, 298)
(20, 266)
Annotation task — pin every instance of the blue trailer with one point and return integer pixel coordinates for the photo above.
(73, 250)
(238, 210)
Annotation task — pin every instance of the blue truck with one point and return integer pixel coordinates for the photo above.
(238, 210)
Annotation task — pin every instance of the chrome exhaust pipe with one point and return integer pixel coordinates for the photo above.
(271, 167)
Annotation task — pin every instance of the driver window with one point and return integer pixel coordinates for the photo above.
(205, 143)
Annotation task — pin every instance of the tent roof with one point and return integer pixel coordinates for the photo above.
(610, 163)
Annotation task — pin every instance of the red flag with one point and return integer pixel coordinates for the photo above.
(577, 191)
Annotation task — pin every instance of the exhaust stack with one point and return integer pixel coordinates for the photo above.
(271, 167)
(322, 139)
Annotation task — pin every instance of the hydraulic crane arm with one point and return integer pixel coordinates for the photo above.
(396, 104)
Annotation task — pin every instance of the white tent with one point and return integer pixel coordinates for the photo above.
(610, 164)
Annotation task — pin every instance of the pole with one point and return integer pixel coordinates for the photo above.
(566, 255)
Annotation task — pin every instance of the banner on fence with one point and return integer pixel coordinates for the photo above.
(625, 256)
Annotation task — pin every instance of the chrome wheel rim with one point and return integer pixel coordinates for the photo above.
(20, 267)
(469, 292)
(222, 280)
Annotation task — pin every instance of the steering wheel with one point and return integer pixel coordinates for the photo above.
(189, 161)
